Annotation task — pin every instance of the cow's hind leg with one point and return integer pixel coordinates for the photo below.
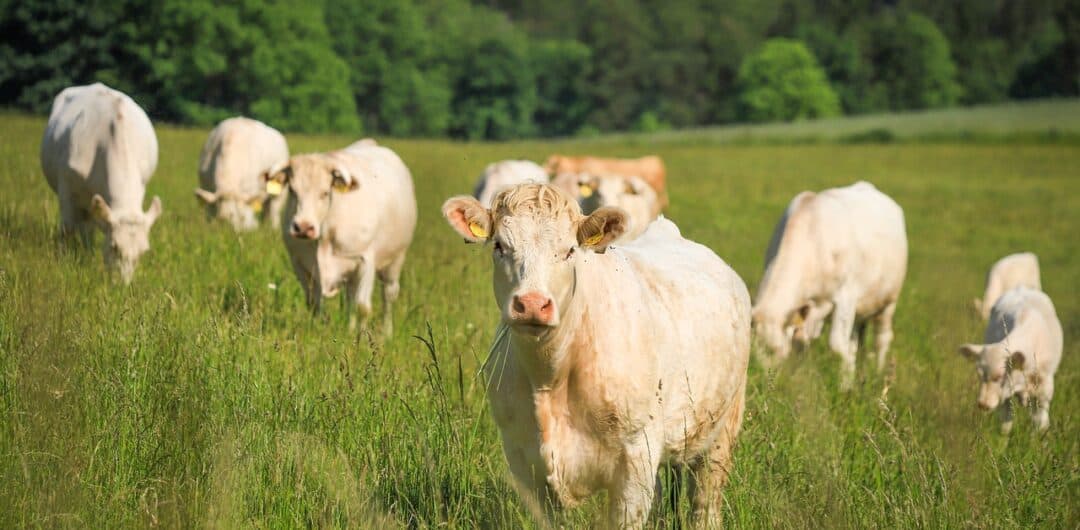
(709, 475)
(840, 340)
(362, 296)
(391, 288)
(883, 333)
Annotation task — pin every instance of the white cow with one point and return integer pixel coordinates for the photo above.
(1021, 354)
(98, 154)
(232, 172)
(498, 176)
(350, 215)
(1014, 270)
(844, 251)
(608, 364)
(632, 194)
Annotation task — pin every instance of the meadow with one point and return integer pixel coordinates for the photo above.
(206, 395)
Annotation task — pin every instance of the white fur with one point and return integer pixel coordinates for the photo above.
(236, 155)
(841, 251)
(1022, 351)
(361, 233)
(99, 142)
(498, 176)
(1014, 270)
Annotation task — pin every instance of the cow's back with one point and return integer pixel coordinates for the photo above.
(382, 212)
(101, 141)
(860, 243)
(688, 313)
(1027, 321)
(236, 153)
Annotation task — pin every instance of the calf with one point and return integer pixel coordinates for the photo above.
(232, 171)
(841, 251)
(98, 153)
(608, 364)
(350, 216)
(1022, 350)
(1014, 270)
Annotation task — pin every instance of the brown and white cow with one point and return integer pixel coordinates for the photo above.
(232, 172)
(608, 362)
(350, 216)
(98, 153)
(564, 171)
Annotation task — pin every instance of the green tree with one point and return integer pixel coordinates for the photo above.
(906, 63)
(563, 101)
(783, 81)
(397, 83)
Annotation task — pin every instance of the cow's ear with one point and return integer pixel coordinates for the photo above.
(343, 181)
(468, 217)
(1016, 360)
(154, 211)
(602, 227)
(100, 210)
(276, 178)
(971, 351)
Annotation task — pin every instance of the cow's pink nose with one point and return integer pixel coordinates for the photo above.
(533, 308)
(302, 230)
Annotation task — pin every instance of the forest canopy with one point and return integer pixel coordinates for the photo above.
(502, 69)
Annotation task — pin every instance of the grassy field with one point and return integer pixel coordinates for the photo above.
(200, 396)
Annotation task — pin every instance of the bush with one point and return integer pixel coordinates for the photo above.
(783, 81)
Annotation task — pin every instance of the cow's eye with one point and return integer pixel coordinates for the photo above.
(325, 194)
(569, 253)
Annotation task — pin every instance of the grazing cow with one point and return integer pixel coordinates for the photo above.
(607, 364)
(350, 215)
(1021, 354)
(844, 251)
(565, 169)
(498, 176)
(1014, 270)
(232, 172)
(632, 194)
(98, 154)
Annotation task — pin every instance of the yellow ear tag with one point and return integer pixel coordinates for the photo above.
(478, 230)
(340, 186)
(273, 187)
(593, 240)
(585, 190)
(256, 205)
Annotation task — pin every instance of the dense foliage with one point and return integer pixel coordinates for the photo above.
(502, 69)
(783, 81)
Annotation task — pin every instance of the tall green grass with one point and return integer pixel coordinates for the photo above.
(205, 395)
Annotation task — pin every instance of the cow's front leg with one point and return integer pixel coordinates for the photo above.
(1043, 394)
(840, 339)
(1005, 413)
(362, 296)
(632, 494)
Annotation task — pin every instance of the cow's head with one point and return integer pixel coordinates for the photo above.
(311, 179)
(238, 209)
(779, 331)
(127, 235)
(1000, 372)
(630, 193)
(536, 233)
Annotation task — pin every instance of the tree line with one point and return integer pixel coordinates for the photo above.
(500, 69)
